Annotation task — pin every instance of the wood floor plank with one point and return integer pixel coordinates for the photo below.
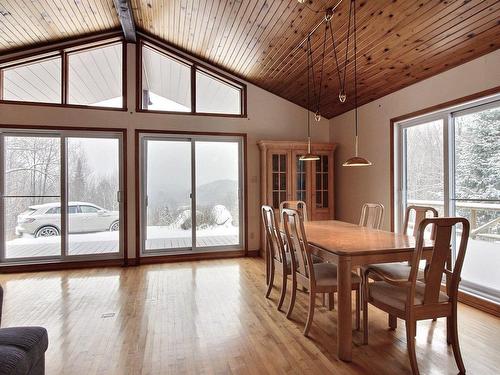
(211, 317)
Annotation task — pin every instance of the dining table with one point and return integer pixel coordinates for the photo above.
(351, 246)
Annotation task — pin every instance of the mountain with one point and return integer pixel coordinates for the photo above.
(223, 192)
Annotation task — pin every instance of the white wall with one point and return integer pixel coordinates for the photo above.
(354, 186)
(269, 117)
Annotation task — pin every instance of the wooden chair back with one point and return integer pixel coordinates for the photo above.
(273, 235)
(441, 256)
(420, 214)
(299, 206)
(293, 225)
(372, 215)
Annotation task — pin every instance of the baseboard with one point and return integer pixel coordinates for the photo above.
(253, 253)
(479, 303)
(57, 266)
(131, 262)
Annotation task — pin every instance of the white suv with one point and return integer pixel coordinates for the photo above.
(45, 219)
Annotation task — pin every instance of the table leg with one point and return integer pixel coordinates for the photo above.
(344, 310)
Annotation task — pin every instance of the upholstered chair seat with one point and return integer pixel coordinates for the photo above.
(397, 271)
(326, 275)
(395, 297)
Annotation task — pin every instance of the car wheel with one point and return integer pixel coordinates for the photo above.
(47, 231)
(114, 227)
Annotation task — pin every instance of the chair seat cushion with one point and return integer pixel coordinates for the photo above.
(396, 296)
(21, 348)
(316, 259)
(393, 270)
(326, 275)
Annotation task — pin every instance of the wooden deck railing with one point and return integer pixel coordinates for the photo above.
(474, 208)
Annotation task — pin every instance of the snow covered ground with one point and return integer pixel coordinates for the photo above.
(107, 242)
(153, 232)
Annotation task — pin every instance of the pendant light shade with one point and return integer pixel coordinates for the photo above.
(309, 156)
(356, 160)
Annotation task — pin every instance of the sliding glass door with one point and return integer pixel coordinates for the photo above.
(60, 195)
(217, 193)
(476, 194)
(31, 182)
(423, 183)
(168, 204)
(93, 185)
(182, 176)
(451, 161)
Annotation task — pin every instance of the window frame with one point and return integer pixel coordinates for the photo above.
(447, 113)
(64, 133)
(195, 66)
(145, 135)
(62, 53)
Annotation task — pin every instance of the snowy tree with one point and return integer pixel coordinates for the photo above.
(477, 149)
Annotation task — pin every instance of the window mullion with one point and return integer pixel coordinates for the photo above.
(64, 77)
(64, 198)
(1, 84)
(193, 89)
(193, 194)
(450, 174)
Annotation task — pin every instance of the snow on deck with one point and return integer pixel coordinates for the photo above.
(107, 242)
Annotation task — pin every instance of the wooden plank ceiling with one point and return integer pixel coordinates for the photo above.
(28, 23)
(400, 42)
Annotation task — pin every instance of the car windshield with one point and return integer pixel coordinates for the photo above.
(29, 211)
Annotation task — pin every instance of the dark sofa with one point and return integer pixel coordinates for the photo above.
(22, 349)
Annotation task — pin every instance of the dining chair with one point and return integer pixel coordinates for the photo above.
(411, 299)
(371, 215)
(401, 270)
(299, 206)
(316, 277)
(277, 257)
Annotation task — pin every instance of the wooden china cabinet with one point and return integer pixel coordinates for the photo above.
(283, 177)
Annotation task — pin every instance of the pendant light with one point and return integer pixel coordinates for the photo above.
(356, 161)
(309, 156)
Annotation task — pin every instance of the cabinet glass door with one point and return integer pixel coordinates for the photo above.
(300, 179)
(321, 177)
(279, 178)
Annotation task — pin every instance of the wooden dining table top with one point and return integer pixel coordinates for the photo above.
(343, 238)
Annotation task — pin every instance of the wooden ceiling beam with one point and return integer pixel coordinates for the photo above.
(124, 11)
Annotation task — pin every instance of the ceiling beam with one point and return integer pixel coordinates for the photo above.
(124, 11)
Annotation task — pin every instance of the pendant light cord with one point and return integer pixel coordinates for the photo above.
(322, 69)
(341, 79)
(347, 43)
(308, 94)
(355, 76)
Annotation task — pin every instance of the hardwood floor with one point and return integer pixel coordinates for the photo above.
(211, 317)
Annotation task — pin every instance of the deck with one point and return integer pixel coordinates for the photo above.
(33, 249)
